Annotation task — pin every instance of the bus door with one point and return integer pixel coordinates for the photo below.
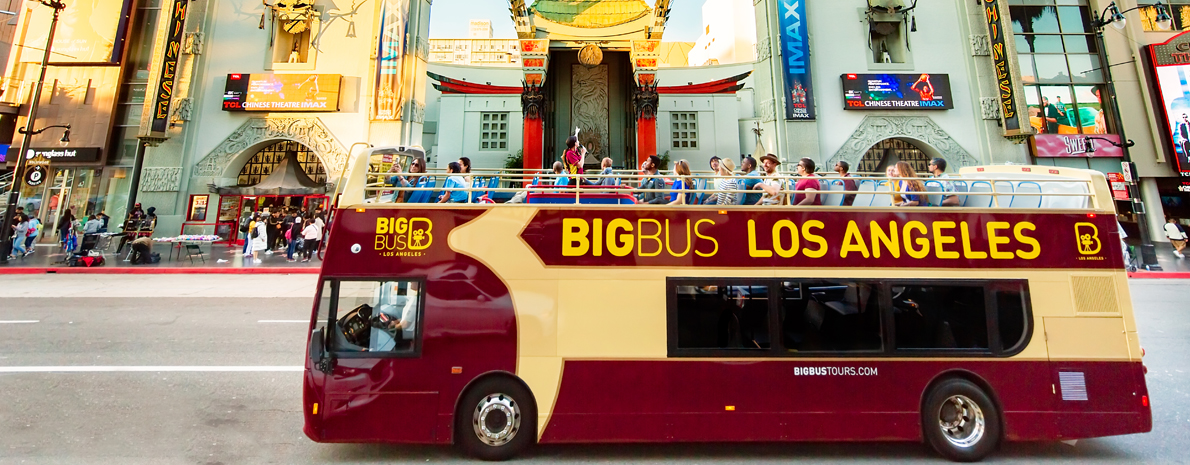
(377, 387)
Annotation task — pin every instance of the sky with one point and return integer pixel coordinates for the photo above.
(450, 19)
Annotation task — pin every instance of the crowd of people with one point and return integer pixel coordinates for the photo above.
(269, 231)
(69, 229)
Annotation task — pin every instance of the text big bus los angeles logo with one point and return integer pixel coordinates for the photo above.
(1089, 245)
(403, 237)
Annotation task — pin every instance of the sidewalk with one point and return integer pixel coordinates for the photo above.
(1172, 267)
(220, 259)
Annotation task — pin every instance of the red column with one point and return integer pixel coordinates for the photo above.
(534, 141)
(646, 138)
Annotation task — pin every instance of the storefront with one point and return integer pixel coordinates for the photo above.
(283, 176)
(73, 179)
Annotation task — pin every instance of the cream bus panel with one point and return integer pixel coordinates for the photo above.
(1097, 339)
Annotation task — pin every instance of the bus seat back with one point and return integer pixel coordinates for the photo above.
(936, 190)
(882, 198)
(980, 201)
(865, 193)
(1002, 188)
(1027, 201)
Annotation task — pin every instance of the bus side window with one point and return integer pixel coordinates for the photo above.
(723, 317)
(821, 316)
(375, 316)
(1010, 307)
(324, 310)
(940, 317)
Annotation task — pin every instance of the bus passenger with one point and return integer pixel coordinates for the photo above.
(465, 163)
(456, 182)
(713, 199)
(751, 177)
(562, 179)
(771, 184)
(415, 167)
(938, 169)
(849, 185)
(651, 182)
(725, 183)
(607, 170)
(808, 182)
(573, 158)
(903, 170)
(682, 183)
(891, 172)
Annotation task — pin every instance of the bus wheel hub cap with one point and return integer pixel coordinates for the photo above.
(961, 421)
(496, 419)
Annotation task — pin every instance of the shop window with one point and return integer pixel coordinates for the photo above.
(1059, 63)
(940, 316)
(493, 131)
(722, 316)
(685, 130)
(261, 165)
(377, 317)
(819, 316)
(198, 208)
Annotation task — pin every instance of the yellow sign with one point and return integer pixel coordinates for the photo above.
(403, 237)
(1088, 238)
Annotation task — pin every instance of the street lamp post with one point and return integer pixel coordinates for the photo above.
(1112, 15)
(18, 171)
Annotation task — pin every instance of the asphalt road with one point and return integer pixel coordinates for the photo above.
(253, 416)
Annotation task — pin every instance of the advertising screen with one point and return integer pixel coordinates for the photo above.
(897, 92)
(88, 31)
(282, 92)
(1171, 72)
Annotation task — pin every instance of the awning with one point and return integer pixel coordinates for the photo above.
(287, 178)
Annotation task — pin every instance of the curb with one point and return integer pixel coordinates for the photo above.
(1158, 275)
(155, 270)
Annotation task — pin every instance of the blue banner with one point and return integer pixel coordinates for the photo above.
(795, 61)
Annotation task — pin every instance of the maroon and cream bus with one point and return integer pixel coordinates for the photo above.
(498, 326)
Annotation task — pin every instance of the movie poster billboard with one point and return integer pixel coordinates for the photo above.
(390, 60)
(282, 92)
(88, 31)
(1170, 69)
(897, 92)
(795, 61)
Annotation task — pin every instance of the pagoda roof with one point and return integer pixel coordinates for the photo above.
(591, 14)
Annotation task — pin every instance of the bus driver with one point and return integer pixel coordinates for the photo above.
(391, 321)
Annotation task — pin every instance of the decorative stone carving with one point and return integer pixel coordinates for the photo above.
(590, 55)
(645, 100)
(989, 107)
(423, 49)
(764, 49)
(980, 46)
(767, 110)
(160, 179)
(590, 110)
(532, 101)
(419, 111)
(183, 108)
(918, 128)
(192, 43)
(307, 131)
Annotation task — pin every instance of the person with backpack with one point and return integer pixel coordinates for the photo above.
(245, 229)
(294, 234)
(1176, 235)
(258, 237)
(32, 233)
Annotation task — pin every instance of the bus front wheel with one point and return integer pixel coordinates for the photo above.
(497, 420)
(960, 421)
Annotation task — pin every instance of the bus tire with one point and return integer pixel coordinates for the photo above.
(497, 419)
(960, 421)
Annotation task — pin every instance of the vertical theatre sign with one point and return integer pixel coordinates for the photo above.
(172, 49)
(795, 61)
(390, 60)
(1004, 60)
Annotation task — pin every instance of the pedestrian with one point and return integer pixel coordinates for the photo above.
(32, 233)
(1177, 236)
(260, 237)
(20, 230)
(295, 238)
(92, 225)
(65, 226)
(310, 236)
(273, 228)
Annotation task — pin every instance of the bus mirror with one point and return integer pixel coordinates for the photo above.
(317, 350)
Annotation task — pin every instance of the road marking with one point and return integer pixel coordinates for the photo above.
(114, 369)
(283, 321)
(18, 322)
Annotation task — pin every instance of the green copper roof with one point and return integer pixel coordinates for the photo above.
(591, 13)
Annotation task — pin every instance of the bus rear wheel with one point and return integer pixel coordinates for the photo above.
(960, 421)
(497, 420)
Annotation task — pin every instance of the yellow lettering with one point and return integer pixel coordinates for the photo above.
(888, 239)
(381, 225)
(381, 242)
(574, 237)
(994, 241)
(641, 236)
(709, 238)
(940, 240)
(814, 238)
(669, 240)
(967, 252)
(853, 241)
(752, 250)
(922, 241)
(621, 245)
(597, 241)
(794, 243)
(400, 225)
(1018, 231)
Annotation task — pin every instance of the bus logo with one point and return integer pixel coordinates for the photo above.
(403, 234)
(1088, 238)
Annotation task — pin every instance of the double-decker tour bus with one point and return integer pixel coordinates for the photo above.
(498, 326)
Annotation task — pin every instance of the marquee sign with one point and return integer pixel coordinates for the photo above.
(282, 92)
(795, 61)
(1077, 146)
(1008, 78)
(897, 92)
(169, 66)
